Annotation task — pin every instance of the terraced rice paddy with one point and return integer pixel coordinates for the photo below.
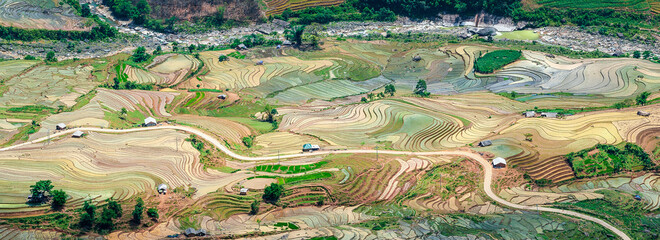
(244, 73)
(107, 165)
(166, 69)
(608, 77)
(410, 124)
(11, 68)
(328, 90)
(49, 86)
(43, 14)
(278, 6)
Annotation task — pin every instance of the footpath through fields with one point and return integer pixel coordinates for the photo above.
(488, 170)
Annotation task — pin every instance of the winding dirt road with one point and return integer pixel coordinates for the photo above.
(488, 170)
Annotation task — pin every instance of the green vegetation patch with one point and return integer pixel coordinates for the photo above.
(289, 169)
(607, 159)
(307, 177)
(289, 225)
(495, 60)
(236, 55)
(621, 210)
(204, 90)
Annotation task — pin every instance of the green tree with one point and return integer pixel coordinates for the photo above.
(295, 34)
(87, 216)
(106, 223)
(218, 18)
(223, 58)
(191, 48)
(115, 207)
(140, 55)
(84, 10)
(420, 88)
(59, 199)
(271, 112)
(647, 54)
(143, 10)
(138, 211)
(637, 54)
(643, 98)
(50, 57)
(273, 193)
(152, 213)
(247, 141)
(254, 207)
(389, 89)
(39, 190)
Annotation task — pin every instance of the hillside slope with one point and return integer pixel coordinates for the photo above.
(43, 14)
(186, 10)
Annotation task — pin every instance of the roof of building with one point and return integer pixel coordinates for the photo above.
(530, 114)
(162, 186)
(242, 45)
(78, 133)
(286, 42)
(150, 120)
(549, 114)
(485, 143)
(307, 146)
(244, 190)
(315, 147)
(61, 125)
(499, 160)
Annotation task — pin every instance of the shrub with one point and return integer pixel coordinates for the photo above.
(59, 199)
(273, 193)
(152, 213)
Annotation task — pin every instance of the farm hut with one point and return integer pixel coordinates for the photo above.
(242, 47)
(60, 126)
(150, 122)
(260, 62)
(529, 114)
(309, 147)
(549, 114)
(638, 197)
(643, 114)
(243, 191)
(162, 188)
(190, 232)
(78, 134)
(485, 143)
(417, 58)
(286, 42)
(499, 162)
(278, 46)
(222, 96)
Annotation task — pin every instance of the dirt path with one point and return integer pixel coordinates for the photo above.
(488, 170)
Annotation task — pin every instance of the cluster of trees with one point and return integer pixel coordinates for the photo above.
(42, 191)
(641, 99)
(124, 9)
(112, 211)
(609, 159)
(430, 8)
(101, 31)
(254, 40)
(389, 89)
